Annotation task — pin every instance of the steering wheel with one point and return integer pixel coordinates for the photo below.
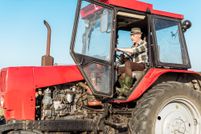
(122, 58)
(124, 53)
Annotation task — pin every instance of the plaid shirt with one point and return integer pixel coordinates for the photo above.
(140, 52)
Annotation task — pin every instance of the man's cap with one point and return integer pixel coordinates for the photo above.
(136, 30)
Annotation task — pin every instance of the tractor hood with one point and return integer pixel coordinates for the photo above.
(18, 85)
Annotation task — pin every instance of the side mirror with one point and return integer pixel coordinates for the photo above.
(186, 25)
(104, 21)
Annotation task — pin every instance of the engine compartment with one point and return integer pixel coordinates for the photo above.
(74, 102)
(65, 102)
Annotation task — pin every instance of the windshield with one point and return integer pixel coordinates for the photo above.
(94, 31)
(168, 41)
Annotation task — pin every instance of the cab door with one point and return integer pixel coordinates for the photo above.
(92, 45)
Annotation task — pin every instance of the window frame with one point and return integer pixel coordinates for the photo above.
(185, 57)
(83, 60)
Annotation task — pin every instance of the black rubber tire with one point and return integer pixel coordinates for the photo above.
(148, 106)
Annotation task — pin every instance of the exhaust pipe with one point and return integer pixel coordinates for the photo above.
(47, 60)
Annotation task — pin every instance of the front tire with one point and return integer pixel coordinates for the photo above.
(168, 108)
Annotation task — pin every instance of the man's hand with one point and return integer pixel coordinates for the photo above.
(116, 49)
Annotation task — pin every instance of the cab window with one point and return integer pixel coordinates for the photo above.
(168, 41)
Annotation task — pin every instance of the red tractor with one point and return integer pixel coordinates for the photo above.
(165, 97)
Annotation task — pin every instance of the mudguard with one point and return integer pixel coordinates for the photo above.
(149, 78)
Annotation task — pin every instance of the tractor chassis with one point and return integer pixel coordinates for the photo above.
(51, 125)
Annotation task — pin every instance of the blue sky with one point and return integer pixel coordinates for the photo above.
(23, 35)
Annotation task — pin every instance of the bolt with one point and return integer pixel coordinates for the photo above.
(195, 122)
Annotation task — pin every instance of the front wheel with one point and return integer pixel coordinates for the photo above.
(168, 108)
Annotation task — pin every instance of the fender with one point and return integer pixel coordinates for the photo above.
(18, 85)
(149, 78)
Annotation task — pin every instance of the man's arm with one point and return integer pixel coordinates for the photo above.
(126, 50)
(139, 49)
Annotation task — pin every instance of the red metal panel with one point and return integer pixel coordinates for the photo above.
(141, 6)
(129, 4)
(47, 76)
(19, 97)
(150, 77)
(89, 10)
(21, 82)
(168, 14)
(132, 4)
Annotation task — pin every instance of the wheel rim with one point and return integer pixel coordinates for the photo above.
(178, 116)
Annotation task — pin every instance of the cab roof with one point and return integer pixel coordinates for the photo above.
(141, 6)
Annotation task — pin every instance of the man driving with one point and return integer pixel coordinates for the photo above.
(138, 52)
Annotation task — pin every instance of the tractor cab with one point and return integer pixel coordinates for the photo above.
(102, 26)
